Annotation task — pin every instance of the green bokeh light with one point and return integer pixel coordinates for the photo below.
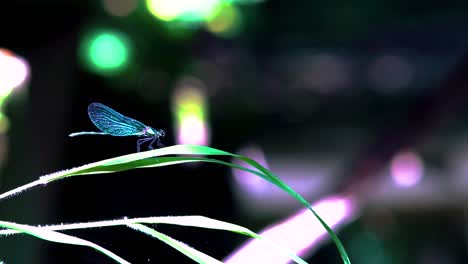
(106, 51)
(227, 22)
(189, 103)
(190, 109)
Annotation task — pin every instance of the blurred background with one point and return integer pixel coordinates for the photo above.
(362, 101)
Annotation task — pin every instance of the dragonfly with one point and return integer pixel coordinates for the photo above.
(112, 123)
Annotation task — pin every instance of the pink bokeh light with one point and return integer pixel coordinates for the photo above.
(193, 131)
(299, 233)
(406, 169)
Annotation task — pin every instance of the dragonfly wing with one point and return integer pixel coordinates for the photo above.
(113, 123)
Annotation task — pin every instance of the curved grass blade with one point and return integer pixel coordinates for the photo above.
(205, 222)
(191, 221)
(145, 159)
(57, 237)
(192, 253)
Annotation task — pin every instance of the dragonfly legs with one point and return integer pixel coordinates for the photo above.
(150, 146)
(158, 142)
(141, 141)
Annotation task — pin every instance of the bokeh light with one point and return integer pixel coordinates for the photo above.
(246, 1)
(188, 10)
(14, 72)
(299, 233)
(322, 73)
(367, 248)
(4, 123)
(406, 169)
(457, 160)
(258, 198)
(164, 10)
(189, 107)
(106, 51)
(245, 179)
(227, 22)
(120, 8)
(390, 73)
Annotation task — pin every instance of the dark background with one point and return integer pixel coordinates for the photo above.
(302, 80)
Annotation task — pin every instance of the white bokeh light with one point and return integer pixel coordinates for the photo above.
(14, 72)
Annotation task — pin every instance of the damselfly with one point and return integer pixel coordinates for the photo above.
(112, 123)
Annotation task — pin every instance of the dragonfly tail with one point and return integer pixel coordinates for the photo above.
(86, 133)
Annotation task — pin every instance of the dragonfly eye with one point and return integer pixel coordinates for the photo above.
(161, 133)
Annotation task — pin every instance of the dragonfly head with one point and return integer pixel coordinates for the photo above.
(151, 132)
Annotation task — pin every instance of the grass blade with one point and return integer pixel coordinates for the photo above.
(146, 159)
(192, 253)
(191, 221)
(57, 237)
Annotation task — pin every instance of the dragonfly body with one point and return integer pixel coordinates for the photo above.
(112, 123)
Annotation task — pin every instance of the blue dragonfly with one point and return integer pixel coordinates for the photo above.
(112, 123)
